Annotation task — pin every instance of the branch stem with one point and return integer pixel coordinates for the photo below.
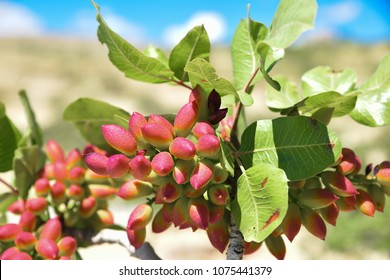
(13, 190)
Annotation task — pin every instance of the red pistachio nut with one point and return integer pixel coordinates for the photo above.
(170, 191)
(17, 207)
(136, 121)
(140, 167)
(36, 205)
(42, 187)
(199, 212)
(54, 151)
(67, 246)
(330, 214)
(74, 158)
(134, 189)
(313, 223)
(167, 211)
(365, 203)
(201, 128)
(27, 221)
(13, 253)
(88, 206)
(202, 174)
(47, 248)
(382, 174)
(276, 246)
(157, 135)
(186, 119)
(183, 170)
(136, 237)
(291, 224)
(105, 217)
(48, 171)
(75, 192)
(316, 198)
(76, 175)
(180, 211)
(52, 229)
(162, 164)
(9, 231)
(346, 203)
(349, 163)
(220, 174)
(338, 184)
(182, 148)
(190, 192)
(153, 118)
(216, 212)
(218, 194)
(58, 192)
(25, 241)
(120, 139)
(159, 224)
(140, 217)
(208, 146)
(117, 166)
(60, 171)
(251, 247)
(97, 163)
(218, 234)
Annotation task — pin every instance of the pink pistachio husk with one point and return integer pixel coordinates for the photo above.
(199, 212)
(54, 151)
(102, 191)
(10, 253)
(346, 204)
(348, 162)
(67, 246)
(60, 171)
(136, 121)
(136, 237)
(52, 229)
(117, 166)
(208, 146)
(88, 206)
(159, 224)
(27, 221)
(140, 217)
(383, 174)
(220, 174)
(170, 191)
(330, 214)
(75, 192)
(313, 223)
(140, 167)
(378, 196)
(64, 258)
(180, 211)
(97, 163)
(42, 187)
(47, 248)
(134, 189)
(218, 194)
(92, 177)
(22, 256)
(106, 217)
(226, 128)
(153, 118)
(251, 247)
(291, 224)
(365, 203)
(186, 119)
(201, 128)
(338, 184)
(157, 135)
(58, 192)
(162, 164)
(218, 234)
(36, 205)
(216, 213)
(316, 198)
(76, 175)
(25, 241)
(17, 207)
(9, 231)
(48, 171)
(202, 174)
(183, 170)
(276, 246)
(120, 139)
(74, 158)
(166, 211)
(182, 148)
(190, 192)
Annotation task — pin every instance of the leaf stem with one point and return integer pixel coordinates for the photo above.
(13, 190)
(181, 83)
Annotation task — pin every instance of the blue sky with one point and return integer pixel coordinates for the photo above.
(165, 22)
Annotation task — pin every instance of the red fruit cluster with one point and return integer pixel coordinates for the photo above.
(177, 163)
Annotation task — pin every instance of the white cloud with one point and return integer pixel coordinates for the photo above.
(17, 20)
(340, 13)
(214, 23)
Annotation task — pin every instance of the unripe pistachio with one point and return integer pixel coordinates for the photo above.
(117, 166)
(105, 217)
(316, 198)
(190, 192)
(75, 192)
(49, 171)
(276, 246)
(9, 231)
(201, 128)
(183, 170)
(218, 194)
(199, 212)
(154, 179)
(10, 253)
(296, 185)
(365, 203)
(76, 175)
(52, 229)
(202, 174)
(338, 184)
(216, 212)
(182, 148)
(378, 196)
(153, 118)
(47, 248)
(17, 207)
(159, 224)
(27, 221)
(67, 246)
(42, 187)
(226, 128)
(218, 234)
(54, 151)
(120, 139)
(313, 223)
(36, 205)
(186, 118)
(88, 206)
(180, 211)
(102, 191)
(140, 217)
(25, 241)
(140, 167)
(57, 192)
(162, 164)
(60, 171)
(157, 135)
(292, 222)
(71, 217)
(166, 211)
(74, 158)
(251, 247)
(330, 214)
(346, 203)
(208, 146)
(92, 177)
(136, 237)
(383, 174)
(136, 121)
(348, 163)
(170, 191)
(97, 163)
(134, 189)
(220, 174)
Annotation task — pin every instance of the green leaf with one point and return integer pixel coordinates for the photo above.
(128, 59)
(195, 44)
(262, 201)
(301, 146)
(291, 19)
(245, 57)
(36, 131)
(203, 73)
(287, 97)
(323, 78)
(373, 104)
(245, 98)
(27, 163)
(157, 53)
(226, 158)
(89, 115)
(9, 138)
(6, 199)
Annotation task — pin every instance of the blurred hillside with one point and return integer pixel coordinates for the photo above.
(57, 71)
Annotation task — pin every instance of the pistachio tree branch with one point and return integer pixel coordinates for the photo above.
(13, 190)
